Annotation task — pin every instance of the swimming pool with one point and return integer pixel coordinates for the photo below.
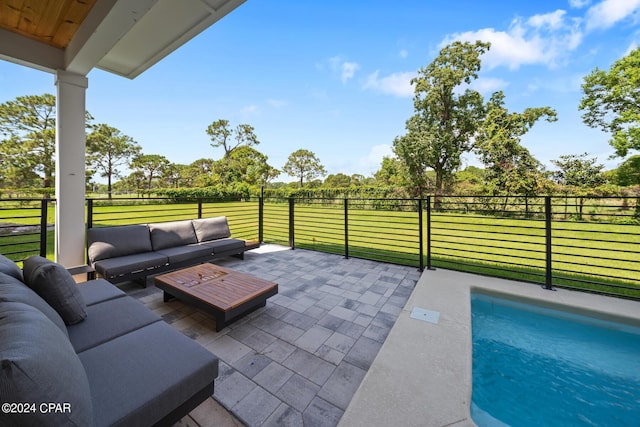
(535, 366)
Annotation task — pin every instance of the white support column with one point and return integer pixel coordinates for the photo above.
(70, 168)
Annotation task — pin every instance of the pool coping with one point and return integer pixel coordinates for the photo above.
(422, 374)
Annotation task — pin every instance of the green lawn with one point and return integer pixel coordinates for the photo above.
(510, 248)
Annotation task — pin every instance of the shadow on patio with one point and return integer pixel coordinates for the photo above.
(299, 360)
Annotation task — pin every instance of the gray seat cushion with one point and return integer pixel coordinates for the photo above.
(9, 267)
(185, 253)
(114, 267)
(148, 387)
(225, 245)
(211, 228)
(99, 290)
(108, 320)
(13, 290)
(38, 365)
(117, 241)
(56, 286)
(171, 234)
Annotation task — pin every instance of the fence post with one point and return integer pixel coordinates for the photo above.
(199, 207)
(89, 213)
(429, 266)
(420, 234)
(261, 217)
(291, 223)
(43, 227)
(346, 228)
(548, 270)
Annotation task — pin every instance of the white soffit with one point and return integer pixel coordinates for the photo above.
(163, 29)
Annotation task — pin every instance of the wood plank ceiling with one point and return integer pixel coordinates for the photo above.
(53, 22)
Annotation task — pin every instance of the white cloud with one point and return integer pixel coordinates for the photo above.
(370, 163)
(542, 39)
(553, 20)
(608, 12)
(345, 69)
(398, 84)
(348, 70)
(577, 4)
(488, 85)
(403, 53)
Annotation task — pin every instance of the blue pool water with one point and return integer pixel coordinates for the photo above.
(534, 366)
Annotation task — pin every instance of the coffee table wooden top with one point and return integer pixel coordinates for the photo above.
(220, 287)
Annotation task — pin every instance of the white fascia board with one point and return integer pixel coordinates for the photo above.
(107, 23)
(151, 40)
(28, 52)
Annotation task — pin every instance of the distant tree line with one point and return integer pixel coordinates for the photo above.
(449, 120)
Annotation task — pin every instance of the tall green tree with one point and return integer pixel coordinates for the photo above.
(579, 174)
(200, 173)
(151, 166)
(578, 170)
(445, 118)
(108, 149)
(628, 173)
(222, 135)
(392, 172)
(28, 125)
(611, 102)
(304, 165)
(509, 167)
(248, 165)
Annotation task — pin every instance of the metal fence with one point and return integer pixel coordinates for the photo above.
(590, 244)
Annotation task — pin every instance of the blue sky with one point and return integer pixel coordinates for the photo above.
(333, 76)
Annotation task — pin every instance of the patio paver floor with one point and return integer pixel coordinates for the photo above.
(300, 359)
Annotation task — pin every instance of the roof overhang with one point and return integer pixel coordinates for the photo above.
(123, 37)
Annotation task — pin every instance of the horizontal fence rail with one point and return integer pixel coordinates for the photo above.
(590, 244)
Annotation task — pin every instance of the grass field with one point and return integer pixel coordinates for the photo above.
(589, 255)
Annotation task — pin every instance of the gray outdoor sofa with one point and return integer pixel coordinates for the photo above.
(132, 252)
(89, 355)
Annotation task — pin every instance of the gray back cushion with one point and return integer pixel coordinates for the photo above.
(13, 290)
(9, 267)
(171, 234)
(211, 228)
(38, 365)
(121, 240)
(56, 286)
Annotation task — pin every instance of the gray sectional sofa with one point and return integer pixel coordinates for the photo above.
(89, 355)
(132, 252)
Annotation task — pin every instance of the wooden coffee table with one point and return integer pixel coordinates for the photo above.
(224, 293)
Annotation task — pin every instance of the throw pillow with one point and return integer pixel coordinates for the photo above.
(56, 286)
(9, 267)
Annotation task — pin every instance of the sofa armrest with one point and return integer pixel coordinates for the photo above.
(83, 269)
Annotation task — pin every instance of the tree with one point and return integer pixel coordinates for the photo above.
(577, 170)
(580, 174)
(200, 173)
(339, 180)
(392, 172)
(230, 139)
(16, 170)
(303, 164)
(107, 150)
(611, 102)
(509, 167)
(445, 119)
(29, 123)
(246, 164)
(151, 166)
(628, 173)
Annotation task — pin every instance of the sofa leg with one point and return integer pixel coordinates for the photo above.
(239, 256)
